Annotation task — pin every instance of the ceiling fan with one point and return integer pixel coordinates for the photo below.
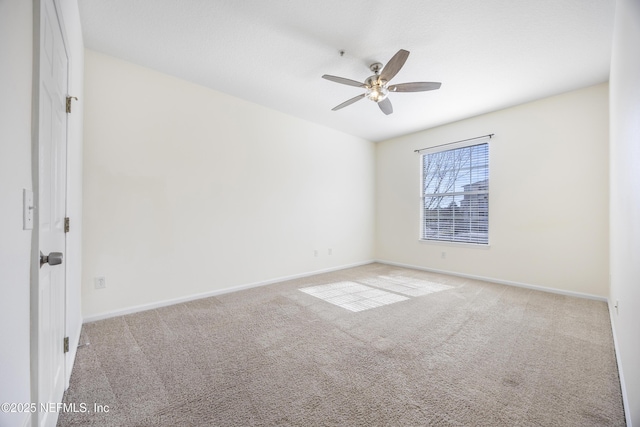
(377, 86)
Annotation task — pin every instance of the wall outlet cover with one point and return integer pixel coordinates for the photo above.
(100, 282)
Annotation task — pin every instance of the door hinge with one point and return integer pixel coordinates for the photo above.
(66, 344)
(69, 98)
(66, 224)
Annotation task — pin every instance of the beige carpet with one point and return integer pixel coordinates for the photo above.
(368, 346)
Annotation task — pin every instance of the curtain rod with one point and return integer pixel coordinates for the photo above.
(454, 142)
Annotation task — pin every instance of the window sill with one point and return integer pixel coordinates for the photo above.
(455, 244)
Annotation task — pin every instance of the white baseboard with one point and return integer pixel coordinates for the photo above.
(500, 281)
(623, 387)
(151, 306)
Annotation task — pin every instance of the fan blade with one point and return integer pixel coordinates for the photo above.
(343, 80)
(385, 106)
(394, 65)
(415, 87)
(348, 102)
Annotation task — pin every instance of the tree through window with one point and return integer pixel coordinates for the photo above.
(455, 194)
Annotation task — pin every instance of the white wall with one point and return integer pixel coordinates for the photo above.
(16, 37)
(188, 190)
(548, 196)
(625, 199)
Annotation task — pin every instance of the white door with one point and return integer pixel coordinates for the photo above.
(52, 144)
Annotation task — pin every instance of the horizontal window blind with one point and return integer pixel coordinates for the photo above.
(455, 194)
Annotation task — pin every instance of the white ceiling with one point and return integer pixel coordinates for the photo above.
(488, 54)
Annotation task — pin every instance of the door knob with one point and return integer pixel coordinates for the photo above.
(54, 258)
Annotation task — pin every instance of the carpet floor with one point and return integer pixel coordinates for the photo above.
(374, 345)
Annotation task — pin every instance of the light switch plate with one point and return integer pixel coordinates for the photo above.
(27, 209)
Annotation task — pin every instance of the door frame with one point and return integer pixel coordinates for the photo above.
(38, 10)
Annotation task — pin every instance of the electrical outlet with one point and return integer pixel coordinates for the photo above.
(443, 255)
(315, 252)
(330, 251)
(99, 282)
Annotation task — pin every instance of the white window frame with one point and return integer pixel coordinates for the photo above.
(450, 147)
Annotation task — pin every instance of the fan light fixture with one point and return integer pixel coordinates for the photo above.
(377, 93)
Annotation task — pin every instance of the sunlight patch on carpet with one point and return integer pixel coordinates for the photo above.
(406, 285)
(353, 296)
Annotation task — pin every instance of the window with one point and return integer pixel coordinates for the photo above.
(455, 194)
